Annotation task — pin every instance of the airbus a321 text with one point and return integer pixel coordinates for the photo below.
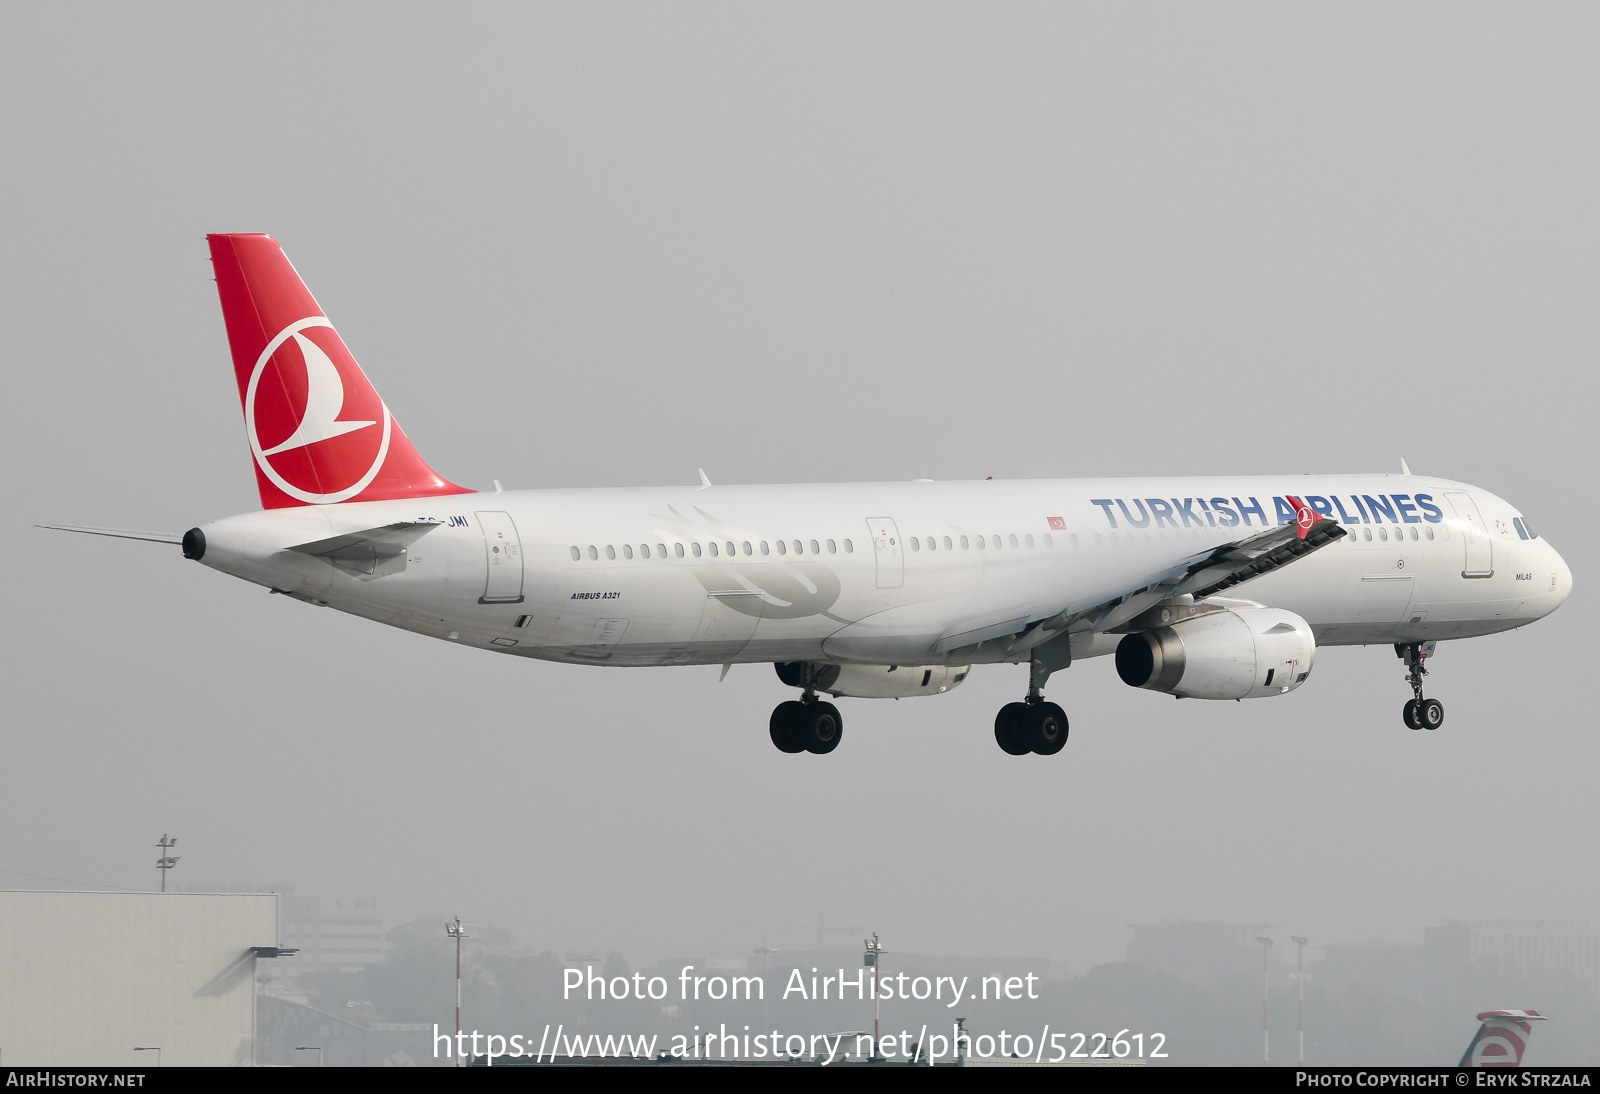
(1204, 588)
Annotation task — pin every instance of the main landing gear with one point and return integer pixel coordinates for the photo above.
(807, 725)
(1419, 713)
(1033, 726)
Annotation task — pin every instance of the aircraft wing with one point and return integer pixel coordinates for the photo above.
(1261, 553)
(1228, 565)
(1201, 575)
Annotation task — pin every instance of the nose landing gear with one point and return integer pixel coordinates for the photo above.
(1419, 713)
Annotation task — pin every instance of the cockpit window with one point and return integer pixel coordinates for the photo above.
(1529, 528)
(1516, 522)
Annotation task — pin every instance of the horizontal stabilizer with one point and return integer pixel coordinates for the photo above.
(371, 552)
(119, 533)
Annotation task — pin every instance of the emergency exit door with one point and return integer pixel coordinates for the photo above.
(1479, 561)
(887, 552)
(502, 550)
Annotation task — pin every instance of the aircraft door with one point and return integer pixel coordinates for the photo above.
(887, 552)
(1479, 548)
(502, 550)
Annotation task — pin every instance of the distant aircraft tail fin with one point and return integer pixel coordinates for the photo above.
(317, 428)
(1501, 1038)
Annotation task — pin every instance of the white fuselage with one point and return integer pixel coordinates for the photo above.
(893, 573)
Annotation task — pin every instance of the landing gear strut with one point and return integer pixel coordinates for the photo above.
(1419, 713)
(807, 725)
(1033, 725)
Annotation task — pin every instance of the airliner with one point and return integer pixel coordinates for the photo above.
(1202, 588)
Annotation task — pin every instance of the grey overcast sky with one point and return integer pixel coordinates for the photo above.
(600, 244)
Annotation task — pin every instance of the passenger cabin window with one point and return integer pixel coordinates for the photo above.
(678, 547)
(1029, 540)
(799, 548)
(980, 543)
(782, 550)
(1013, 542)
(661, 549)
(644, 550)
(593, 554)
(627, 551)
(965, 544)
(947, 544)
(1428, 532)
(916, 544)
(833, 548)
(712, 545)
(695, 547)
(849, 548)
(1048, 542)
(816, 549)
(576, 554)
(765, 549)
(731, 551)
(611, 552)
(746, 546)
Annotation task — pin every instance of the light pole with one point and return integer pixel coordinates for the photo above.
(1266, 948)
(166, 861)
(1300, 978)
(870, 960)
(150, 1048)
(455, 931)
(765, 953)
(311, 1048)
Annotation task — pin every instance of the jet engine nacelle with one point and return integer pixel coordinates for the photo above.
(873, 681)
(1242, 653)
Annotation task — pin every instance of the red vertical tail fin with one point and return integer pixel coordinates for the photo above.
(318, 430)
(1502, 1039)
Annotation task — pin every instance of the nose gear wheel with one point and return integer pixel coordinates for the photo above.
(1419, 712)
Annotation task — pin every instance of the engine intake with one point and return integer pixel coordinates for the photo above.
(873, 681)
(1243, 653)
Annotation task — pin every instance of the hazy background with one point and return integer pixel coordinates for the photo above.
(597, 244)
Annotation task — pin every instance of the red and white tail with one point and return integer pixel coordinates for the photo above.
(1501, 1039)
(317, 428)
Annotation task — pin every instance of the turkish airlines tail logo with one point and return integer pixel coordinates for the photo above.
(1502, 1038)
(317, 427)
